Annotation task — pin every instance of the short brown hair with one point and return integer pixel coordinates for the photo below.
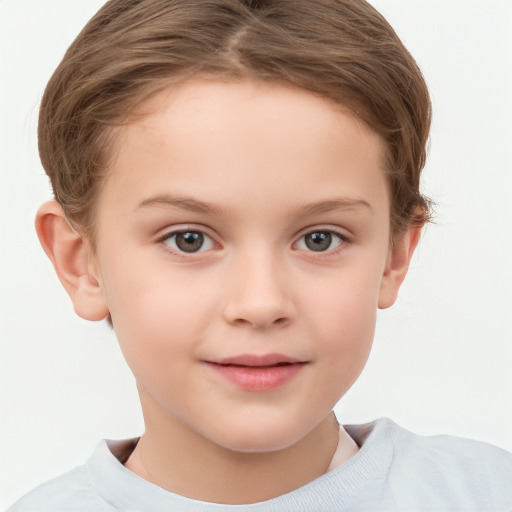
(131, 49)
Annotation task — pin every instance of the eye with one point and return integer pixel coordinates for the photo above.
(320, 241)
(188, 241)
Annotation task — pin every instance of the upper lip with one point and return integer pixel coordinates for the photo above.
(256, 360)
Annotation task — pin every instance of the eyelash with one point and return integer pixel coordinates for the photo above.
(332, 235)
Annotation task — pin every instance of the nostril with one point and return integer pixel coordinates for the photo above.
(257, 312)
(261, 323)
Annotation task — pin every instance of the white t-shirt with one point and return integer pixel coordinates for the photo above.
(394, 470)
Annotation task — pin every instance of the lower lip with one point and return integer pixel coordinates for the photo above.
(258, 378)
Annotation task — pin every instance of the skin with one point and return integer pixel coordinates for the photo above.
(254, 167)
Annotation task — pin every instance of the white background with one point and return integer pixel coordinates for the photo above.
(443, 354)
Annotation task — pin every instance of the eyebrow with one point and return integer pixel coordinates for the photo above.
(333, 204)
(185, 203)
(193, 205)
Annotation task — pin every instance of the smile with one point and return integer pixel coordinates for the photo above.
(257, 373)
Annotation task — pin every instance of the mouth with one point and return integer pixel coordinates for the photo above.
(257, 372)
(256, 360)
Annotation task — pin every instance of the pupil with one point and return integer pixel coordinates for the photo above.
(190, 241)
(319, 241)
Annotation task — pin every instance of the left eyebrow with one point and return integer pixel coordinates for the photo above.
(333, 204)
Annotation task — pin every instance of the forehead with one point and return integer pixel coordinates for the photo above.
(249, 107)
(240, 142)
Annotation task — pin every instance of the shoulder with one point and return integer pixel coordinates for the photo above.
(451, 467)
(444, 451)
(70, 492)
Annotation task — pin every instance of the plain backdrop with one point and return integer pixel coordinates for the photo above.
(443, 354)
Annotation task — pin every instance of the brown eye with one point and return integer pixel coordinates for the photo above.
(320, 241)
(189, 241)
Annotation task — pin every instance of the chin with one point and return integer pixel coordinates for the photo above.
(262, 445)
(258, 438)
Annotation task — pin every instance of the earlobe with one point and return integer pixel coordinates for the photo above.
(71, 259)
(397, 266)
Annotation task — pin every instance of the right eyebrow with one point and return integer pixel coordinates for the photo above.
(182, 202)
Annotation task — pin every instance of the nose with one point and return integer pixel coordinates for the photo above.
(258, 293)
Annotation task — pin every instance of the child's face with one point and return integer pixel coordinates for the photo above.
(244, 221)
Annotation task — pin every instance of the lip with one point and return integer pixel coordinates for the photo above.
(253, 372)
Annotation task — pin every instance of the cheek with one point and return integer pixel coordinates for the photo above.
(344, 312)
(154, 311)
(345, 339)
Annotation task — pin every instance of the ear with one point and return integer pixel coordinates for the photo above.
(397, 265)
(73, 262)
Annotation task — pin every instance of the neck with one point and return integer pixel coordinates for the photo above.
(181, 461)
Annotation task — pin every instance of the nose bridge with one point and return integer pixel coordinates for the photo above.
(259, 289)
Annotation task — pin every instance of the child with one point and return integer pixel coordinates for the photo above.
(237, 192)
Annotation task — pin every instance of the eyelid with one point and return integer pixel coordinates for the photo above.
(170, 230)
(342, 233)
